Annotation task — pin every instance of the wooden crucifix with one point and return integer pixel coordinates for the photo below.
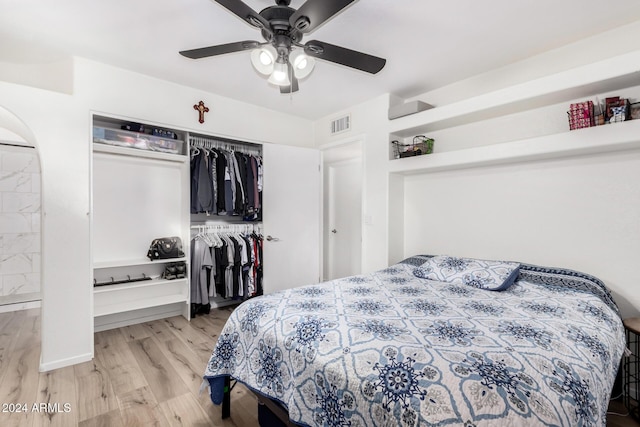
(200, 107)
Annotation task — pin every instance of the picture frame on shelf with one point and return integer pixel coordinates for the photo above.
(615, 109)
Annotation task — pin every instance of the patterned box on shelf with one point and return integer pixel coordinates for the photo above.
(581, 115)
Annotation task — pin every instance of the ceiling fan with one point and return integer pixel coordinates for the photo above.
(282, 56)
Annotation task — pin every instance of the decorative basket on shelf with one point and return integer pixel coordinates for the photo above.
(419, 146)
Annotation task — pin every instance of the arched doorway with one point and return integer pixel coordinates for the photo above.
(20, 216)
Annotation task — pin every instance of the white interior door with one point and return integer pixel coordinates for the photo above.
(291, 217)
(343, 231)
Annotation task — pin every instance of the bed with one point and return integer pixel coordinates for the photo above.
(398, 348)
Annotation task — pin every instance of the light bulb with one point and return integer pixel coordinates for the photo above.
(280, 75)
(302, 63)
(263, 59)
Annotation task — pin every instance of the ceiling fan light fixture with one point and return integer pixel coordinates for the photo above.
(282, 58)
(302, 63)
(280, 75)
(263, 59)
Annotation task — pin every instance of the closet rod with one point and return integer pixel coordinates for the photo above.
(228, 227)
(224, 145)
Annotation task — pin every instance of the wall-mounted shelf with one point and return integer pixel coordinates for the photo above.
(589, 80)
(600, 139)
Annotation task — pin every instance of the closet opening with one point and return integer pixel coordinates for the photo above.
(226, 222)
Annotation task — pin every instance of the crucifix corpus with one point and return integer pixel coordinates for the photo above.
(200, 107)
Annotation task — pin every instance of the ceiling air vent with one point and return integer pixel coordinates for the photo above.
(342, 124)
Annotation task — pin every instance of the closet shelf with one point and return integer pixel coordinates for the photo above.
(133, 262)
(586, 81)
(132, 285)
(137, 305)
(599, 139)
(124, 151)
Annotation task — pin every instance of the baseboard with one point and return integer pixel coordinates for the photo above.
(57, 364)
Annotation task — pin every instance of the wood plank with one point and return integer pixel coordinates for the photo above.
(159, 330)
(139, 407)
(57, 390)
(185, 411)
(163, 380)
(208, 326)
(9, 330)
(185, 361)
(20, 380)
(109, 419)
(95, 394)
(184, 330)
(9, 323)
(110, 336)
(29, 332)
(134, 332)
(218, 316)
(118, 360)
(633, 324)
(201, 343)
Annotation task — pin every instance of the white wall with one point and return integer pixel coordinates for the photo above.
(60, 124)
(581, 213)
(369, 124)
(585, 209)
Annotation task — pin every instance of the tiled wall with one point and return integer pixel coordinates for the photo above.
(20, 205)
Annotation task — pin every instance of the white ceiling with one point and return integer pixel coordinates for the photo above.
(427, 43)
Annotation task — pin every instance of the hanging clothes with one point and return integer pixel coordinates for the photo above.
(201, 267)
(225, 181)
(226, 261)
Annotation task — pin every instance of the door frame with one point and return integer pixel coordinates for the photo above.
(324, 151)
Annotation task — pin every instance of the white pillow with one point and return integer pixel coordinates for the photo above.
(483, 274)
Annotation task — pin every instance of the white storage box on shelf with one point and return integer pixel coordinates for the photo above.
(142, 141)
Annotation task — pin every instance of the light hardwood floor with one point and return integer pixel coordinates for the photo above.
(142, 375)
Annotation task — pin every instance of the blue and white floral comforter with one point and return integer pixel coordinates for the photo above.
(391, 349)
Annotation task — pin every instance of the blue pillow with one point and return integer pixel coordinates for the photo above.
(483, 274)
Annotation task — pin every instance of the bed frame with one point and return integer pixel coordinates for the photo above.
(275, 408)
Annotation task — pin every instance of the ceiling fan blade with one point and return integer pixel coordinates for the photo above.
(314, 13)
(220, 49)
(341, 55)
(245, 13)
